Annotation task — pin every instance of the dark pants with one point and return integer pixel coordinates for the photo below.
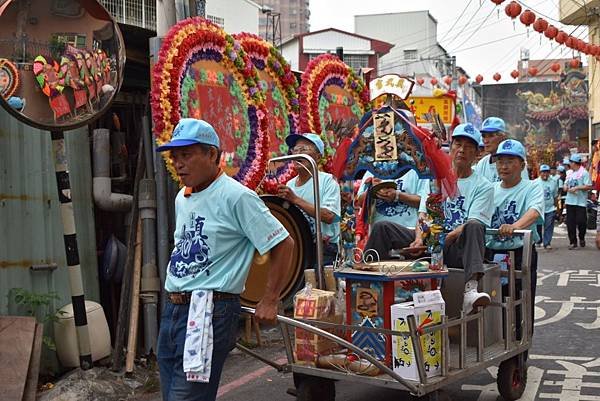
(468, 251)
(171, 340)
(518, 286)
(386, 236)
(576, 220)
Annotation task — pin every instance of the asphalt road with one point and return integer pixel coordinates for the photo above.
(564, 360)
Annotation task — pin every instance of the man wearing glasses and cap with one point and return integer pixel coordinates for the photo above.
(577, 185)
(466, 215)
(550, 188)
(299, 191)
(219, 226)
(518, 205)
(493, 131)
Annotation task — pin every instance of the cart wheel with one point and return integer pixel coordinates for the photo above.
(512, 378)
(314, 389)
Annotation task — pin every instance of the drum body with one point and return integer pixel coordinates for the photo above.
(303, 255)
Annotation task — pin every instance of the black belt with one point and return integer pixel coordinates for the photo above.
(184, 297)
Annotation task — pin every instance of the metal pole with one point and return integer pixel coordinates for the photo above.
(61, 169)
(319, 237)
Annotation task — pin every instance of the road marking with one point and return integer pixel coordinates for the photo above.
(247, 378)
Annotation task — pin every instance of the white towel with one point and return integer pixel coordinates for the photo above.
(198, 348)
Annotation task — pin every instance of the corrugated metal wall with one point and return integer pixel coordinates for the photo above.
(31, 228)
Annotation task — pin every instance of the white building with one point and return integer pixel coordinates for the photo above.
(414, 36)
(233, 15)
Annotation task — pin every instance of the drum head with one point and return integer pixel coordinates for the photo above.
(302, 256)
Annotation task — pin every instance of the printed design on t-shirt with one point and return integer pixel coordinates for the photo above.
(191, 254)
(454, 212)
(547, 193)
(505, 214)
(393, 208)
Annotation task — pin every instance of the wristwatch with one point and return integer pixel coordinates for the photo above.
(397, 195)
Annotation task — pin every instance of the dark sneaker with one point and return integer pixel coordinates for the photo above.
(573, 246)
(582, 243)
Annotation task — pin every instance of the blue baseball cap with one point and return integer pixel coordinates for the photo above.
(575, 158)
(544, 167)
(566, 161)
(493, 124)
(190, 131)
(510, 147)
(467, 130)
(291, 140)
(16, 102)
(561, 168)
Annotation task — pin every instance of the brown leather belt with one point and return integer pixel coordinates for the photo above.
(183, 298)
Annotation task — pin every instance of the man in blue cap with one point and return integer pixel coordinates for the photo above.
(466, 216)
(219, 226)
(577, 185)
(550, 188)
(493, 131)
(518, 205)
(299, 191)
(560, 177)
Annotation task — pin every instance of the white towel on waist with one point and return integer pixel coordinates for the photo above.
(198, 348)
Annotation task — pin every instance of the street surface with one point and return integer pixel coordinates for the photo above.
(564, 360)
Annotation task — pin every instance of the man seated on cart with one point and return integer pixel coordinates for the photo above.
(518, 205)
(396, 211)
(466, 216)
(299, 191)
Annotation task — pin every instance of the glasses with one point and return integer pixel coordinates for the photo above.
(303, 149)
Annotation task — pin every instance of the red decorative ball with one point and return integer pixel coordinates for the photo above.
(555, 67)
(513, 9)
(497, 77)
(479, 78)
(433, 81)
(532, 71)
(527, 17)
(551, 32)
(540, 25)
(561, 37)
(514, 74)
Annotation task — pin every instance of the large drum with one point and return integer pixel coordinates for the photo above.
(303, 255)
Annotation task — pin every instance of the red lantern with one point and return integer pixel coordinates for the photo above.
(420, 81)
(462, 79)
(555, 67)
(551, 32)
(497, 77)
(574, 63)
(587, 48)
(561, 37)
(540, 25)
(570, 42)
(513, 9)
(448, 80)
(532, 71)
(514, 74)
(527, 17)
(497, 2)
(479, 78)
(433, 81)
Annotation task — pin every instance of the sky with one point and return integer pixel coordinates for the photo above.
(481, 22)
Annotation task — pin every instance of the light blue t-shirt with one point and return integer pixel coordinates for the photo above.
(217, 231)
(473, 201)
(579, 198)
(399, 212)
(488, 169)
(329, 198)
(510, 204)
(550, 188)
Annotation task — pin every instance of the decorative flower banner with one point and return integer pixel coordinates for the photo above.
(203, 72)
(280, 87)
(9, 78)
(332, 98)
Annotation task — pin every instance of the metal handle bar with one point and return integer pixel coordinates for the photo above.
(359, 351)
(318, 234)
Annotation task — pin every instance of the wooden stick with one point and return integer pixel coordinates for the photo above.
(135, 300)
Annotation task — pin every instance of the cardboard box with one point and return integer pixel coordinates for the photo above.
(428, 308)
(315, 304)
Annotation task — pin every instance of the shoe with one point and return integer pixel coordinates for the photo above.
(582, 243)
(474, 299)
(548, 247)
(573, 246)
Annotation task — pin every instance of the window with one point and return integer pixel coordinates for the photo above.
(72, 39)
(356, 61)
(293, 25)
(411, 54)
(293, 12)
(217, 20)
